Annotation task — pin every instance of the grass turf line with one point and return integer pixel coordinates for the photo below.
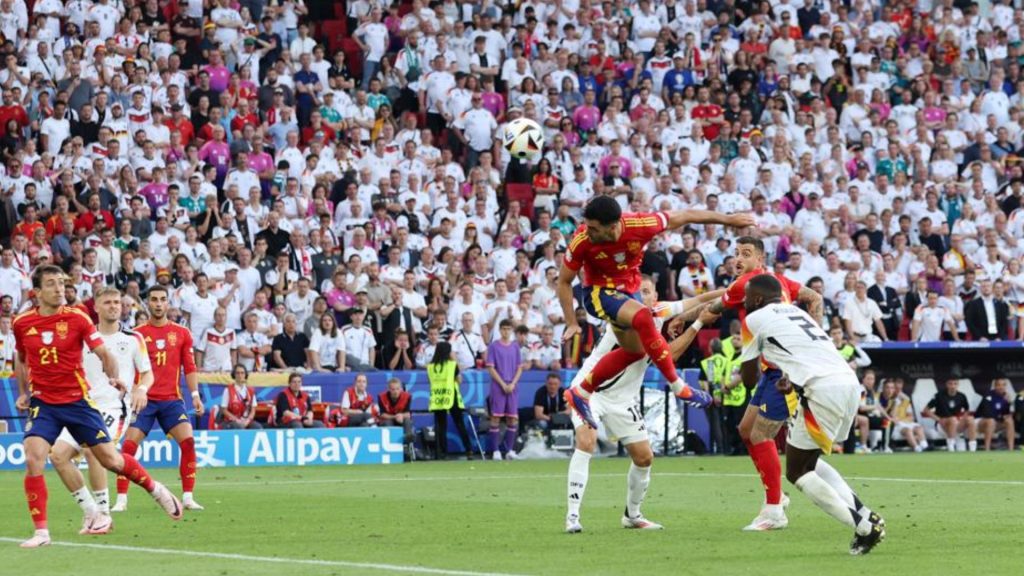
(506, 517)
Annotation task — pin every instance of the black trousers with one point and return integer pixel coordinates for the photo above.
(733, 416)
(441, 430)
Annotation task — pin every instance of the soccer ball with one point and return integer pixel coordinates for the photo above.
(524, 138)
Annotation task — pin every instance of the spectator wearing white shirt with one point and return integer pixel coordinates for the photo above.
(216, 349)
(930, 319)
(861, 314)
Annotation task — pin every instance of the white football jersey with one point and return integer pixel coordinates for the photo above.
(789, 338)
(132, 360)
(624, 387)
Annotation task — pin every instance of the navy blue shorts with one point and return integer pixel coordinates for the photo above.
(771, 403)
(82, 420)
(169, 413)
(604, 303)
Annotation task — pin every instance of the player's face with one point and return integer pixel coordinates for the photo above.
(751, 300)
(51, 290)
(158, 305)
(748, 259)
(109, 308)
(648, 293)
(602, 233)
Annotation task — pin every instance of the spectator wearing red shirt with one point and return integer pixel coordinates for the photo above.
(317, 124)
(180, 123)
(11, 110)
(243, 116)
(710, 114)
(88, 219)
(29, 223)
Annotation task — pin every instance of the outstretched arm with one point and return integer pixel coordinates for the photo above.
(684, 340)
(680, 218)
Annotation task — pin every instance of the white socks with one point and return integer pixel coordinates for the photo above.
(677, 386)
(951, 444)
(825, 497)
(85, 501)
(186, 496)
(972, 445)
(639, 479)
(102, 500)
(579, 470)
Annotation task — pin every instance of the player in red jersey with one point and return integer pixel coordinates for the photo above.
(52, 387)
(768, 409)
(170, 353)
(609, 248)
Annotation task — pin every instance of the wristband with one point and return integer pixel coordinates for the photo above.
(195, 394)
(697, 325)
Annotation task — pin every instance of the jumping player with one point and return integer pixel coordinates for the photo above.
(609, 247)
(170, 352)
(789, 338)
(615, 408)
(50, 340)
(116, 408)
(768, 410)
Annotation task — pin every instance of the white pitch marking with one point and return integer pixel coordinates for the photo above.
(271, 559)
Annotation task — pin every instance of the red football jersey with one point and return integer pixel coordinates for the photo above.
(170, 353)
(52, 349)
(734, 295)
(616, 264)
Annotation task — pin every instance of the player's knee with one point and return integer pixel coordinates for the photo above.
(643, 460)
(794, 473)
(59, 458)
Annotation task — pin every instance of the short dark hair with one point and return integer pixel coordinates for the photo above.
(46, 270)
(751, 241)
(604, 209)
(766, 285)
(157, 288)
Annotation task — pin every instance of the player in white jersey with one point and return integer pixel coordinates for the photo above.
(115, 406)
(789, 338)
(615, 409)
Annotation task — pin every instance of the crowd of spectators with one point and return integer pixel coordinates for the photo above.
(326, 202)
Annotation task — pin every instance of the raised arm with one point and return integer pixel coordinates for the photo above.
(814, 303)
(680, 218)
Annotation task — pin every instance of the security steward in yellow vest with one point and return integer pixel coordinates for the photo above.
(445, 398)
(721, 369)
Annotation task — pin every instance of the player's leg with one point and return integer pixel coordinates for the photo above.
(62, 456)
(494, 433)
(99, 482)
(971, 431)
(182, 434)
(864, 429)
(948, 426)
(638, 479)
(1010, 431)
(133, 438)
(511, 433)
(36, 450)
(988, 430)
(762, 420)
(579, 472)
(126, 465)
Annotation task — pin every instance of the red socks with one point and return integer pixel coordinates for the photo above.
(187, 465)
(36, 495)
(766, 460)
(129, 448)
(134, 471)
(608, 366)
(654, 344)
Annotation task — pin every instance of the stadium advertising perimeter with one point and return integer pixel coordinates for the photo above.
(224, 448)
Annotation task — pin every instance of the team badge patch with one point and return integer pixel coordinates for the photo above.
(634, 246)
(62, 330)
(172, 338)
(160, 344)
(47, 337)
(620, 257)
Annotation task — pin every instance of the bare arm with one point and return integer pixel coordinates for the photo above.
(750, 371)
(681, 343)
(813, 301)
(564, 290)
(680, 218)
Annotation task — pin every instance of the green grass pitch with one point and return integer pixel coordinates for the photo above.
(946, 513)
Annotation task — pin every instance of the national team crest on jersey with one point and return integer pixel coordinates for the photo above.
(47, 337)
(620, 257)
(62, 330)
(160, 344)
(172, 338)
(634, 246)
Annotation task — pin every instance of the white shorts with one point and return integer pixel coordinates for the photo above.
(825, 415)
(115, 417)
(622, 422)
